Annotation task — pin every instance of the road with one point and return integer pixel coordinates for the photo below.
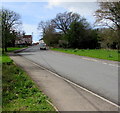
(99, 76)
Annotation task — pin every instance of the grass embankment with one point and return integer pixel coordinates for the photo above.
(94, 53)
(19, 91)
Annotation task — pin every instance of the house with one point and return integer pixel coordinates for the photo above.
(36, 43)
(24, 40)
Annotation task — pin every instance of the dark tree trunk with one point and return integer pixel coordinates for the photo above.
(5, 49)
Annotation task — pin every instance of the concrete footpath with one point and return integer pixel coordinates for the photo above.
(64, 95)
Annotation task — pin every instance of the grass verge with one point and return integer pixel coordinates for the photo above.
(19, 91)
(11, 49)
(94, 53)
(5, 59)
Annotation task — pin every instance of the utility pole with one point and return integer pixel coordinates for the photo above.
(32, 37)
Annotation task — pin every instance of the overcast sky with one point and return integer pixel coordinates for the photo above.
(33, 12)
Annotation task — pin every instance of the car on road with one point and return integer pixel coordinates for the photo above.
(42, 46)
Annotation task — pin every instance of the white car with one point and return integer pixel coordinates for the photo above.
(43, 46)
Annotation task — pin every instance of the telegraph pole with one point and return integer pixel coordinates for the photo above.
(32, 37)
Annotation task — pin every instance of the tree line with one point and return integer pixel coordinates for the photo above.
(70, 30)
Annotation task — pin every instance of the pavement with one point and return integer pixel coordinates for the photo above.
(65, 95)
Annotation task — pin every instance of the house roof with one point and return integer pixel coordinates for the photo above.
(27, 36)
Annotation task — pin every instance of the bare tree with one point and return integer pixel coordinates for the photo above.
(109, 15)
(64, 20)
(9, 22)
(48, 32)
(45, 27)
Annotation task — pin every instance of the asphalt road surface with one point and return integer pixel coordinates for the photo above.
(99, 76)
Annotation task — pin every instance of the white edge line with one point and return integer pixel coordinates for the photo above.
(46, 70)
(85, 89)
(52, 105)
(76, 84)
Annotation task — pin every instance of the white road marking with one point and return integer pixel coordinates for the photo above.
(52, 105)
(113, 65)
(90, 59)
(104, 99)
(104, 63)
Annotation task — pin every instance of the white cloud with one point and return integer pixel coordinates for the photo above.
(58, 1)
(85, 9)
(31, 30)
(24, 0)
(52, 3)
(34, 41)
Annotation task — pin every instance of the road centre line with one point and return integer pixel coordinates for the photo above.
(100, 62)
(112, 65)
(90, 59)
(104, 99)
(104, 63)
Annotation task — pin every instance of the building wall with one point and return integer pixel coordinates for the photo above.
(27, 39)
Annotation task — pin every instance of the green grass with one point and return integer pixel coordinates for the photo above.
(6, 59)
(11, 49)
(0, 49)
(95, 53)
(19, 91)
